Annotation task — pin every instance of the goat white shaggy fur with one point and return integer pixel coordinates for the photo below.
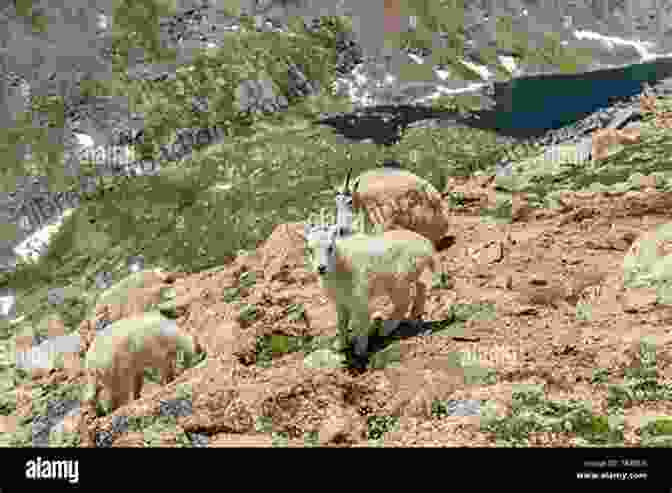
(117, 358)
(354, 269)
(390, 198)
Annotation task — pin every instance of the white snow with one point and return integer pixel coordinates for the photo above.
(642, 47)
(35, 245)
(361, 96)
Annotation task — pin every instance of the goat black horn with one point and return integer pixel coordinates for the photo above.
(347, 180)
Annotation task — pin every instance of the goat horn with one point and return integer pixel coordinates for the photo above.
(347, 180)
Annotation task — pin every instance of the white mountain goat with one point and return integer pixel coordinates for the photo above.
(355, 268)
(391, 198)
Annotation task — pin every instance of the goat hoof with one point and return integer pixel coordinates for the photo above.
(360, 346)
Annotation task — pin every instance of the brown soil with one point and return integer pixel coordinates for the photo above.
(534, 270)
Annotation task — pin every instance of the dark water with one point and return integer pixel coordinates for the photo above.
(530, 106)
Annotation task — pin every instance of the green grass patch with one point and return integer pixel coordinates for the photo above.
(641, 382)
(377, 426)
(273, 346)
(531, 412)
(656, 433)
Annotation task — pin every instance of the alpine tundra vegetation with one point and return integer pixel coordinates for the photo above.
(648, 262)
(353, 269)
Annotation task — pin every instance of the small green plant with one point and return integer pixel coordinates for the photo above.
(7, 402)
(531, 412)
(184, 392)
(139, 423)
(263, 424)
(641, 381)
(662, 426)
(476, 311)
(600, 375)
(230, 294)
(248, 313)
(247, 280)
(153, 375)
(311, 438)
(379, 425)
(278, 344)
(279, 438)
(155, 428)
(71, 311)
(442, 280)
(456, 199)
(583, 311)
(42, 394)
(264, 353)
(475, 374)
(182, 440)
(64, 439)
(167, 293)
(439, 409)
(501, 211)
(101, 409)
(22, 436)
(273, 345)
(458, 314)
(295, 312)
(657, 433)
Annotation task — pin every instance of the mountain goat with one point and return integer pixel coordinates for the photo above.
(355, 268)
(391, 198)
(117, 358)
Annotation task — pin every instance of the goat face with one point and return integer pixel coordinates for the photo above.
(321, 241)
(344, 210)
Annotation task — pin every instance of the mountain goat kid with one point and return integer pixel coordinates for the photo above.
(391, 198)
(355, 268)
(117, 358)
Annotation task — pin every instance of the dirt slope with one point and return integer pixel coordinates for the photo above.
(551, 281)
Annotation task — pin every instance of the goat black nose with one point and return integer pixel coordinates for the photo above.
(321, 269)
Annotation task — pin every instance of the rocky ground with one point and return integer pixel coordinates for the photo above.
(536, 340)
(539, 301)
